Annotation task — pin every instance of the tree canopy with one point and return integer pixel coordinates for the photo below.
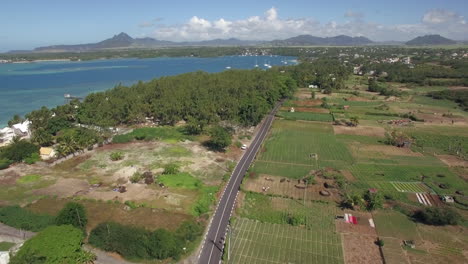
(54, 245)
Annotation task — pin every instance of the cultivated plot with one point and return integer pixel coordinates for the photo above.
(256, 242)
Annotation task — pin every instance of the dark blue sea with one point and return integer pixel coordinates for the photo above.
(28, 86)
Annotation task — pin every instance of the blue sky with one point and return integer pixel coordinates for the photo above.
(26, 24)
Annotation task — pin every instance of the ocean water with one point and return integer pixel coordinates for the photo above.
(28, 86)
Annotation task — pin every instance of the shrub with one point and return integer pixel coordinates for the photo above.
(136, 177)
(73, 214)
(115, 156)
(18, 151)
(136, 243)
(438, 216)
(4, 163)
(171, 168)
(18, 217)
(220, 138)
(35, 157)
(55, 244)
(380, 242)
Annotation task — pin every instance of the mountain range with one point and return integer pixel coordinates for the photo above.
(124, 41)
(431, 40)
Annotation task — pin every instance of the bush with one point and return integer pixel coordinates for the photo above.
(220, 138)
(136, 243)
(438, 216)
(35, 157)
(171, 168)
(380, 243)
(115, 156)
(73, 214)
(18, 151)
(55, 244)
(136, 177)
(18, 217)
(4, 163)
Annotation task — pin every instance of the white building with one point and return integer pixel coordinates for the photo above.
(6, 135)
(22, 129)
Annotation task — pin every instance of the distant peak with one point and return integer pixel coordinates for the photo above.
(123, 36)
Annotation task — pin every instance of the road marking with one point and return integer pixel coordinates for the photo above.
(252, 150)
(234, 178)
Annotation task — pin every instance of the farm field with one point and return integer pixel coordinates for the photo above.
(432, 244)
(256, 242)
(273, 196)
(278, 230)
(285, 149)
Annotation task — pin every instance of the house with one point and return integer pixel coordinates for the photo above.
(448, 199)
(22, 129)
(47, 153)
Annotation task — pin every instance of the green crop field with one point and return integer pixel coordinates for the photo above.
(279, 230)
(395, 224)
(292, 144)
(413, 187)
(306, 116)
(256, 242)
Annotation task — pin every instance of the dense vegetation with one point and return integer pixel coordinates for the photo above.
(458, 96)
(21, 218)
(73, 214)
(54, 245)
(137, 244)
(438, 216)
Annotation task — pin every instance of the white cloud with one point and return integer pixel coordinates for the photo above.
(441, 16)
(270, 26)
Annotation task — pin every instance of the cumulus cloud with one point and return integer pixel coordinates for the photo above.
(441, 16)
(271, 26)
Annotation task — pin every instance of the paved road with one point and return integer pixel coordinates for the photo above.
(212, 246)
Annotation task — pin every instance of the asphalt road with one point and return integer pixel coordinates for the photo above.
(211, 252)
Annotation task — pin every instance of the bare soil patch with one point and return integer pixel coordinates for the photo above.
(358, 99)
(455, 88)
(361, 249)
(292, 188)
(362, 228)
(360, 130)
(306, 109)
(348, 175)
(390, 150)
(9, 178)
(453, 161)
(438, 118)
(64, 187)
(312, 102)
(303, 93)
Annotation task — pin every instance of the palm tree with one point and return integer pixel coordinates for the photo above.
(67, 146)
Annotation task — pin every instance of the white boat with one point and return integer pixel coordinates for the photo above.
(228, 67)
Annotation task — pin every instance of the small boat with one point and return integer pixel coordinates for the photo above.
(228, 67)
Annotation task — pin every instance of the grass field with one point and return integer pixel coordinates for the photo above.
(307, 116)
(256, 242)
(5, 246)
